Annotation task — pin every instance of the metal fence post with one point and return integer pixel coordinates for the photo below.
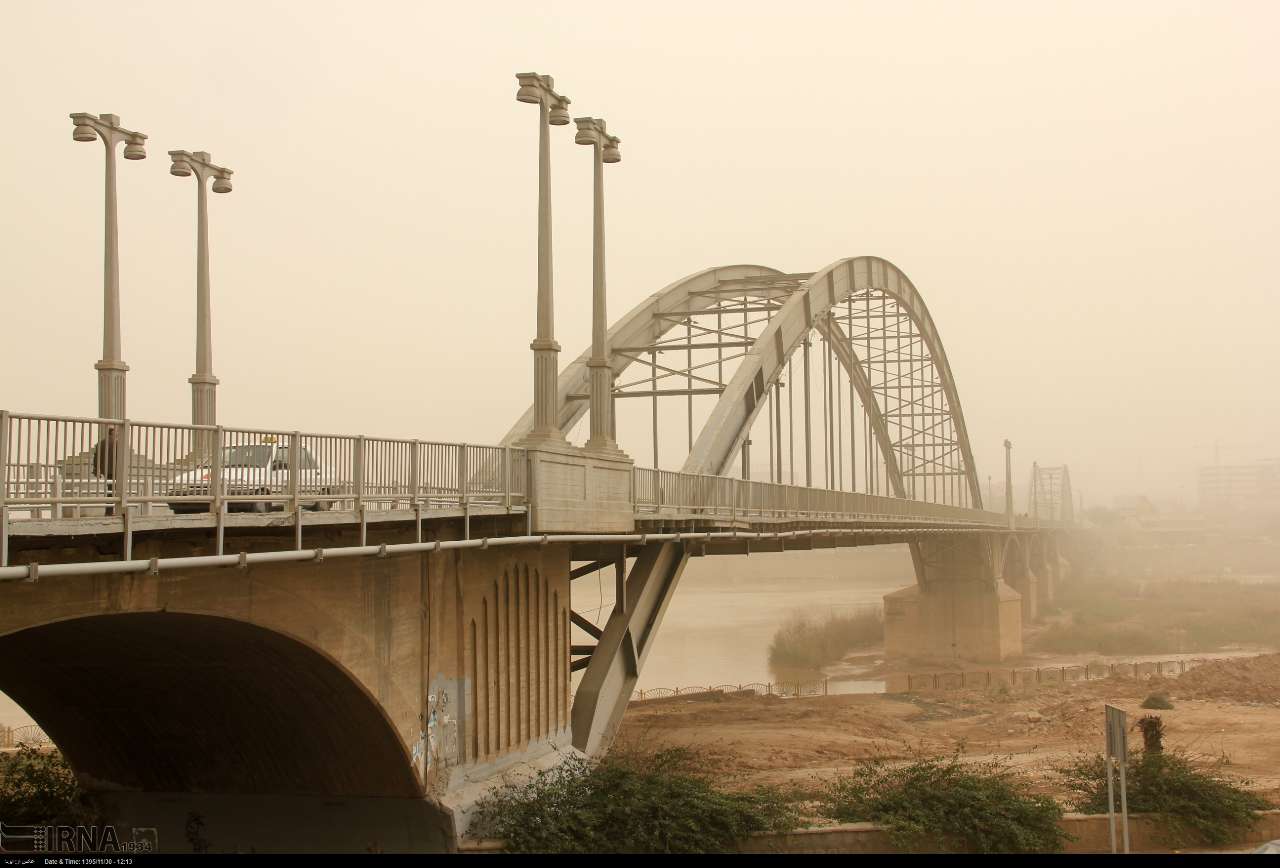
(216, 503)
(122, 474)
(295, 472)
(415, 481)
(55, 484)
(464, 495)
(357, 466)
(415, 471)
(506, 478)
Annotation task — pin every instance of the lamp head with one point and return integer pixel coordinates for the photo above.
(559, 115)
(611, 152)
(134, 150)
(181, 166)
(84, 131)
(222, 184)
(588, 132)
(530, 87)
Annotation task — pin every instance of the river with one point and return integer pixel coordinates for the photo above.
(726, 610)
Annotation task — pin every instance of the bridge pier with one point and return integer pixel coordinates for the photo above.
(954, 621)
(1044, 562)
(959, 609)
(1018, 574)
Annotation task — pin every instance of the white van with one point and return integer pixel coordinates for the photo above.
(257, 468)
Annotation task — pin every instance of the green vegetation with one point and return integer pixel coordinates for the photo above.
(1159, 700)
(38, 788)
(654, 802)
(945, 805)
(806, 642)
(1116, 616)
(1197, 802)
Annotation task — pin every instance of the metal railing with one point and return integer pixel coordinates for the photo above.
(61, 467)
(67, 467)
(687, 495)
(756, 688)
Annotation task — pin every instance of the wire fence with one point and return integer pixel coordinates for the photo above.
(1026, 676)
(755, 688)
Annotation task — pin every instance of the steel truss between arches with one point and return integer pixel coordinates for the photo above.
(839, 374)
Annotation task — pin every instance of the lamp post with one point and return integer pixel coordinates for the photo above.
(604, 149)
(1008, 482)
(111, 368)
(204, 385)
(553, 109)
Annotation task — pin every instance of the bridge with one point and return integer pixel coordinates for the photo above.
(336, 641)
(398, 613)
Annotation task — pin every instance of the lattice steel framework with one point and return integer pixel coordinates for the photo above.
(839, 374)
(1050, 498)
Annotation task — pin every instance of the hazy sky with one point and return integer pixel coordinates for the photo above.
(1085, 193)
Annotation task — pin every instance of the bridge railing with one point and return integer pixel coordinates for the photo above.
(685, 495)
(70, 467)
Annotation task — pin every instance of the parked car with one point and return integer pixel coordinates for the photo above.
(257, 468)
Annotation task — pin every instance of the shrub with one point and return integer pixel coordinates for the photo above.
(1159, 700)
(38, 788)
(809, 643)
(1082, 636)
(945, 805)
(1198, 803)
(658, 802)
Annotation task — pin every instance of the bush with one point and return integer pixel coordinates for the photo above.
(1118, 616)
(1198, 803)
(809, 643)
(1159, 700)
(1081, 636)
(38, 788)
(948, 806)
(658, 802)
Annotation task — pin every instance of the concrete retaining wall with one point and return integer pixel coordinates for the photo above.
(1090, 831)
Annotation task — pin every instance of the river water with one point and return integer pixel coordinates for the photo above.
(726, 610)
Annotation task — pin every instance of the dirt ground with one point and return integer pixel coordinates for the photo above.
(1228, 708)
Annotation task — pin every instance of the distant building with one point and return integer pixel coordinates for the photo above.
(1240, 487)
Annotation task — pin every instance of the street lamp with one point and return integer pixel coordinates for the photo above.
(604, 149)
(552, 109)
(111, 368)
(1008, 483)
(203, 383)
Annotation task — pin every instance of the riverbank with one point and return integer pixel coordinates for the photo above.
(1229, 709)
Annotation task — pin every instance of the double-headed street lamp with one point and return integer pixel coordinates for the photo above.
(203, 383)
(111, 368)
(604, 149)
(553, 108)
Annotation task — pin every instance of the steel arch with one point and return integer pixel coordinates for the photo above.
(815, 304)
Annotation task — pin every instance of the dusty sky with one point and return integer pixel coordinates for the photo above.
(1084, 192)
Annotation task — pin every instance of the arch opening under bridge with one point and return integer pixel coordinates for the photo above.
(163, 715)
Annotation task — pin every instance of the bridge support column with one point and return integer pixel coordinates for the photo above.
(1044, 563)
(1017, 573)
(958, 609)
(621, 650)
